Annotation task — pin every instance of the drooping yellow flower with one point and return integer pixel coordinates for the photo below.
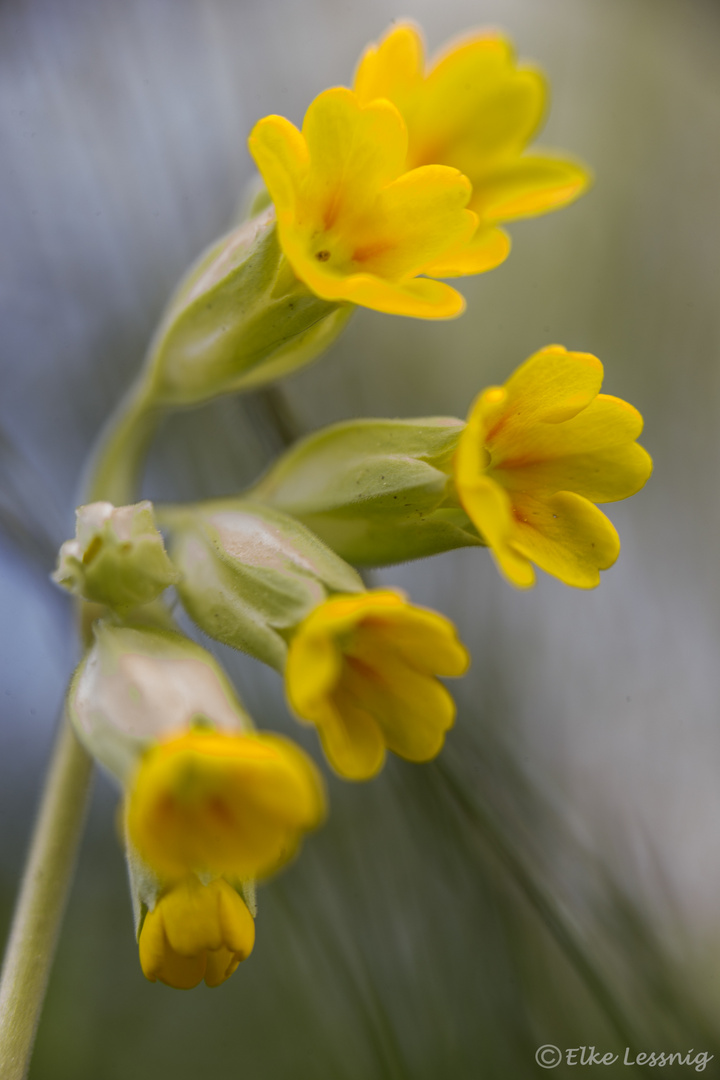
(363, 669)
(196, 932)
(536, 454)
(222, 804)
(477, 110)
(354, 224)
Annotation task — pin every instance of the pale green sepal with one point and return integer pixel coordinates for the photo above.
(138, 684)
(247, 889)
(239, 319)
(251, 574)
(376, 491)
(255, 199)
(117, 557)
(145, 885)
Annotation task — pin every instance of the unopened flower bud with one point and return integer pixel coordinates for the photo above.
(117, 557)
(196, 932)
(240, 319)
(251, 574)
(376, 491)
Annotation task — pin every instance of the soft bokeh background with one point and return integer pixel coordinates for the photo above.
(555, 877)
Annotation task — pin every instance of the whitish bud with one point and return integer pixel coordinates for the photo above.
(240, 319)
(250, 573)
(376, 491)
(138, 684)
(117, 557)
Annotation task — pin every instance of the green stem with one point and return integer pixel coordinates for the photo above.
(115, 467)
(41, 903)
(114, 475)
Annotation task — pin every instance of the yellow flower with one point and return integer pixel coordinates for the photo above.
(476, 110)
(196, 932)
(534, 457)
(353, 223)
(362, 669)
(222, 804)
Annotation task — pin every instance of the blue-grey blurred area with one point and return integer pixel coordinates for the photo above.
(554, 877)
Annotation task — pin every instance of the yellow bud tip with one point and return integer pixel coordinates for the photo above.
(213, 803)
(196, 932)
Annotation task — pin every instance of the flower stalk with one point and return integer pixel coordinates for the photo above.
(41, 904)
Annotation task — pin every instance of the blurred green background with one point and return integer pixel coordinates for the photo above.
(554, 877)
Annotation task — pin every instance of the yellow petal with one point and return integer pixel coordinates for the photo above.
(352, 740)
(219, 804)
(219, 966)
(311, 672)
(566, 536)
(191, 917)
(159, 961)
(354, 151)
(282, 158)
(420, 298)
(477, 107)
(489, 508)
(236, 923)
(415, 220)
(422, 639)
(413, 710)
(529, 186)
(593, 454)
(550, 387)
(393, 68)
(485, 250)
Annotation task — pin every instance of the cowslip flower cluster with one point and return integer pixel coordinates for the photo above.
(388, 187)
(405, 179)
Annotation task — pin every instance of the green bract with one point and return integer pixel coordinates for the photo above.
(117, 557)
(239, 320)
(376, 491)
(250, 573)
(138, 684)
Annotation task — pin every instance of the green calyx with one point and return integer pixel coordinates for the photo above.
(251, 574)
(239, 320)
(376, 491)
(137, 684)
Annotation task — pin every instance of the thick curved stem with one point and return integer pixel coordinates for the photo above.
(114, 471)
(113, 475)
(41, 903)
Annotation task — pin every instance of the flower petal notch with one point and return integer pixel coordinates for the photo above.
(473, 108)
(536, 454)
(196, 932)
(354, 224)
(363, 669)
(220, 804)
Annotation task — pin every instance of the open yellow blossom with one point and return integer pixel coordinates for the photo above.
(477, 110)
(363, 669)
(196, 932)
(222, 804)
(536, 454)
(354, 224)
